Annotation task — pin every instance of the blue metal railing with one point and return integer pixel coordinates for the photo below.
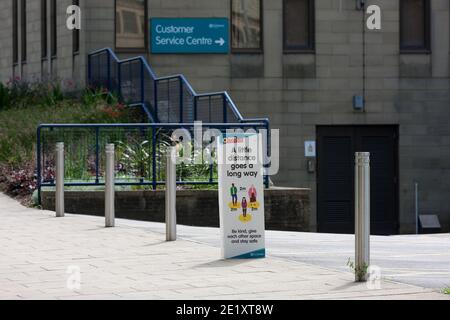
(168, 103)
(169, 99)
(85, 145)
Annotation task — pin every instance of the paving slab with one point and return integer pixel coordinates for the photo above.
(421, 260)
(75, 257)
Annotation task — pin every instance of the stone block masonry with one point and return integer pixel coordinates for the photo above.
(285, 208)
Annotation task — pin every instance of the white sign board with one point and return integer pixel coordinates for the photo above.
(310, 148)
(241, 196)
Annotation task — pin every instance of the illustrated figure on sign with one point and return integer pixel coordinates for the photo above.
(233, 191)
(252, 194)
(244, 207)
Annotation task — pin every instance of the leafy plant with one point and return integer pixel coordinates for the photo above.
(360, 272)
(135, 156)
(192, 171)
(93, 96)
(446, 290)
(53, 94)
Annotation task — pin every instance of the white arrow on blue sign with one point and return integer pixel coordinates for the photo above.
(220, 42)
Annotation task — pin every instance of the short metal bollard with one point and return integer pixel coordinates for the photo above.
(59, 177)
(171, 190)
(362, 215)
(109, 187)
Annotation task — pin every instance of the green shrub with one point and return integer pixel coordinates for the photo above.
(195, 171)
(5, 97)
(48, 93)
(94, 96)
(20, 115)
(19, 93)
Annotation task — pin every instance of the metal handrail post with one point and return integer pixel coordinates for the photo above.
(155, 97)
(89, 73)
(97, 155)
(154, 146)
(142, 83)
(108, 68)
(119, 80)
(224, 106)
(181, 100)
(38, 164)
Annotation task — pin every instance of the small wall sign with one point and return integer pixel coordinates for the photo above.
(310, 148)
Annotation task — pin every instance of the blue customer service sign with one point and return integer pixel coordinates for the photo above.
(189, 35)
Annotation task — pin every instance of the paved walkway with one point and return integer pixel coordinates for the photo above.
(40, 254)
(422, 260)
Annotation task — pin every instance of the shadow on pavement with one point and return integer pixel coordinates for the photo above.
(349, 285)
(221, 263)
(161, 242)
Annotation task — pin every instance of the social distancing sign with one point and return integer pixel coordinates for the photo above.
(241, 195)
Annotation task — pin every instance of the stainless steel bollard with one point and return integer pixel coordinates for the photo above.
(362, 215)
(59, 177)
(109, 187)
(171, 194)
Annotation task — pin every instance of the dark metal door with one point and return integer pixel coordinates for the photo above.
(336, 147)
